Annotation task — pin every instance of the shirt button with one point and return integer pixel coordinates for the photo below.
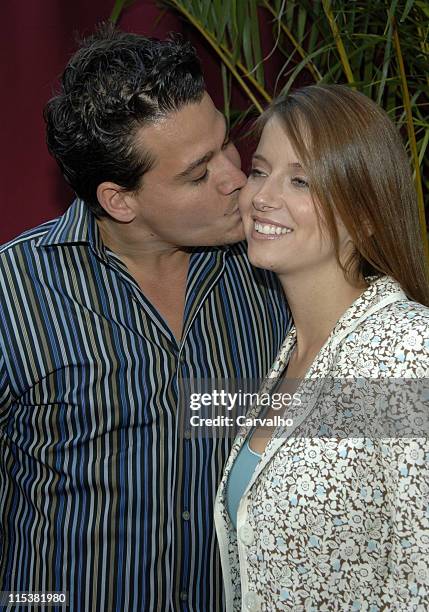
(252, 602)
(183, 595)
(186, 516)
(182, 358)
(246, 535)
(187, 434)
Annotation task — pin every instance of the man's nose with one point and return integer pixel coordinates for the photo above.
(233, 177)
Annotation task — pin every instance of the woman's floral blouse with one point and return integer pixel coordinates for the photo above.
(336, 515)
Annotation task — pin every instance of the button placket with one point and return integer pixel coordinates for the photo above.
(246, 535)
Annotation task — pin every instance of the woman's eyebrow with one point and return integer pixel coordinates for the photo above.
(259, 157)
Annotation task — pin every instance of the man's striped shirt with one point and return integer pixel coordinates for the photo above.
(104, 493)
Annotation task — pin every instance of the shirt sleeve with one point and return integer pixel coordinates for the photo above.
(407, 479)
(407, 468)
(409, 346)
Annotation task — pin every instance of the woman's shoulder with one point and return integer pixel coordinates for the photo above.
(393, 341)
(401, 317)
(407, 310)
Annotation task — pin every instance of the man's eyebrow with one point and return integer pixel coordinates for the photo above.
(198, 162)
(202, 160)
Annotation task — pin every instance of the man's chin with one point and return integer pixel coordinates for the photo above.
(235, 236)
(220, 238)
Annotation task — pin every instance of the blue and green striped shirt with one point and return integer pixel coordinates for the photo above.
(101, 494)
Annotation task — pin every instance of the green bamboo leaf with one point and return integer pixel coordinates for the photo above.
(220, 19)
(238, 118)
(247, 43)
(351, 21)
(302, 64)
(225, 57)
(364, 30)
(317, 13)
(256, 42)
(403, 116)
(211, 21)
(288, 14)
(424, 7)
(371, 73)
(302, 20)
(295, 43)
(411, 137)
(205, 10)
(329, 75)
(118, 7)
(407, 9)
(374, 38)
(239, 24)
(197, 9)
(327, 6)
(387, 54)
(392, 9)
(423, 146)
(233, 22)
(314, 31)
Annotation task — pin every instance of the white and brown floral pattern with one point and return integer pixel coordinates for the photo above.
(334, 523)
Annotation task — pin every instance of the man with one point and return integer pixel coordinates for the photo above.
(142, 283)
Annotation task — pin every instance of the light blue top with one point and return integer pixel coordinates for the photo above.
(239, 477)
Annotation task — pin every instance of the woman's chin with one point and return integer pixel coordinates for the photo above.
(259, 261)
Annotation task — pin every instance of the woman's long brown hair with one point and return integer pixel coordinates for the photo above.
(358, 170)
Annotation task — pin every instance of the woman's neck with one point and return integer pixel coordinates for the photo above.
(316, 302)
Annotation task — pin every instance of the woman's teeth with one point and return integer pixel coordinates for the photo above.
(263, 228)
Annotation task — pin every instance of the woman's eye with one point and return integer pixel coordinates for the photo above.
(255, 172)
(300, 182)
(201, 179)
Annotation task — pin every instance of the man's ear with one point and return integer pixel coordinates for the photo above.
(116, 202)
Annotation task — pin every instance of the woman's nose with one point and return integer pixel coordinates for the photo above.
(262, 200)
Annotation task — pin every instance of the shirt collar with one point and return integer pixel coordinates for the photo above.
(77, 225)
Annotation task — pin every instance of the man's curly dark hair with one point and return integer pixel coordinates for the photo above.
(116, 83)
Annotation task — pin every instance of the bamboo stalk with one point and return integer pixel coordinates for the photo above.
(327, 7)
(411, 137)
(312, 68)
(219, 51)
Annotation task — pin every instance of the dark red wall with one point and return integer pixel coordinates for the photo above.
(38, 37)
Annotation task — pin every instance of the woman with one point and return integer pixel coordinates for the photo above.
(339, 521)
